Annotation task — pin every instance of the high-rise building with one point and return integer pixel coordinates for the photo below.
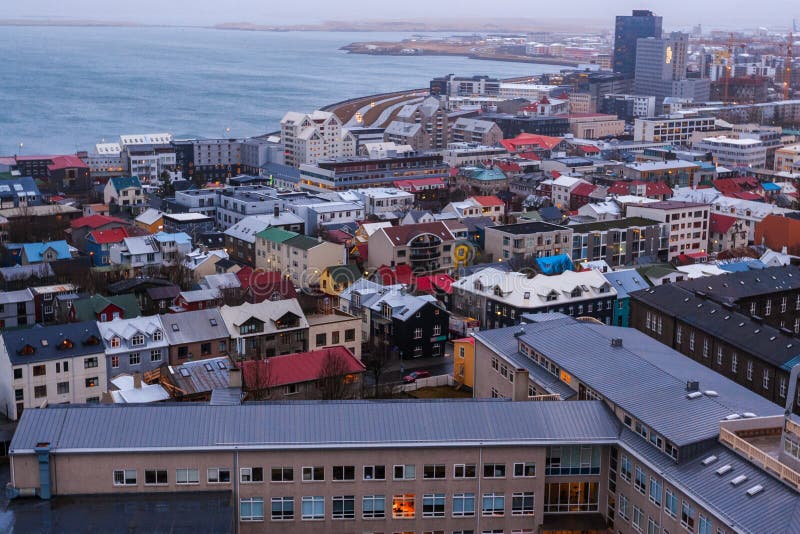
(629, 29)
(661, 70)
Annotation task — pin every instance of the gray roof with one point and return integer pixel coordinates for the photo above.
(13, 297)
(282, 425)
(194, 326)
(657, 396)
(47, 342)
(200, 376)
(626, 281)
(737, 285)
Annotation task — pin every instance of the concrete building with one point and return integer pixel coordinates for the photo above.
(265, 329)
(335, 329)
(465, 130)
(461, 154)
(628, 107)
(688, 224)
(500, 298)
(424, 126)
(358, 172)
(17, 308)
(452, 85)
(105, 161)
(299, 257)
(135, 345)
(734, 153)
(595, 125)
(787, 158)
(620, 242)
(192, 224)
(628, 29)
(527, 240)
(51, 365)
(675, 173)
(661, 70)
(310, 137)
(147, 155)
(426, 247)
(672, 130)
(384, 200)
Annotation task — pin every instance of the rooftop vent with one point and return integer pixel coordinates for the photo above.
(738, 480)
(616, 342)
(694, 395)
(748, 414)
(711, 393)
(693, 385)
(710, 460)
(758, 488)
(520, 332)
(733, 417)
(724, 469)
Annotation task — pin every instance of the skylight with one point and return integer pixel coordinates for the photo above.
(758, 488)
(724, 469)
(738, 480)
(710, 460)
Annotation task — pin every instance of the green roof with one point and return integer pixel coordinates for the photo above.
(276, 235)
(124, 182)
(87, 309)
(656, 270)
(303, 242)
(617, 224)
(344, 273)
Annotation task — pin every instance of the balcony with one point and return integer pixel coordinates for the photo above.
(418, 255)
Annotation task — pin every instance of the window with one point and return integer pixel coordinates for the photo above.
(90, 363)
(405, 472)
(464, 471)
(463, 504)
(39, 370)
(524, 470)
(625, 468)
(313, 508)
(282, 509)
(571, 497)
(321, 339)
(494, 470)
(765, 379)
(39, 392)
(251, 474)
(313, 474)
(92, 382)
(687, 515)
(655, 491)
(373, 507)
(636, 520)
(17, 373)
(115, 342)
(433, 471)
(350, 334)
(750, 370)
(374, 472)
(282, 474)
(134, 359)
(137, 340)
(734, 362)
(155, 477)
(217, 475)
(652, 526)
(403, 506)
(573, 460)
(62, 388)
(671, 504)
(622, 502)
(639, 481)
(691, 341)
(522, 503)
(125, 477)
(493, 504)
(115, 362)
(187, 476)
(418, 333)
(433, 505)
(251, 509)
(157, 335)
(344, 472)
(155, 355)
(719, 355)
(768, 308)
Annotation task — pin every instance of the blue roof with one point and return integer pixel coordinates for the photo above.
(178, 237)
(769, 186)
(34, 251)
(555, 264)
(125, 182)
(483, 174)
(626, 281)
(13, 187)
(741, 266)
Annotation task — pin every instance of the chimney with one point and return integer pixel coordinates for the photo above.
(234, 377)
(692, 385)
(276, 211)
(137, 381)
(520, 392)
(616, 341)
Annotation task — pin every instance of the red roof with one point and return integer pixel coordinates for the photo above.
(745, 195)
(527, 140)
(531, 156)
(652, 189)
(735, 185)
(507, 167)
(300, 367)
(658, 188)
(589, 149)
(413, 185)
(263, 285)
(400, 274)
(401, 235)
(434, 282)
(94, 221)
(114, 235)
(66, 162)
(488, 200)
(721, 223)
(583, 190)
(337, 236)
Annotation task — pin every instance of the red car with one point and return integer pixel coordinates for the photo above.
(414, 375)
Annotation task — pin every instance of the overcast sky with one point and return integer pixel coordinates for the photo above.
(683, 13)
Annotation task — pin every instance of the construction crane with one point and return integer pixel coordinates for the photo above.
(787, 74)
(727, 72)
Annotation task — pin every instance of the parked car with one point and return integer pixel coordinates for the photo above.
(414, 375)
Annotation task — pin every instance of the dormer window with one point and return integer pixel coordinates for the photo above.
(92, 340)
(157, 335)
(27, 350)
(65, 344)
(115, 342)
(478, 285)
(552, 296)
(575, 292)
(137, 340)
(386, 310)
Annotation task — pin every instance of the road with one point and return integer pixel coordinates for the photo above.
(436, 365)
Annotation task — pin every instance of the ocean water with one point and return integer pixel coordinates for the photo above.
(64, 89)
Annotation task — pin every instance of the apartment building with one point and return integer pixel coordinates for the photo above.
(675, 173)
(17, 308)
(265, 329)
(297, 256)
(318, 214)
(461, 154)
(527, 240)
(671, 129)
(478, 206)
(426, 247)
(663, 473)
(125, 192)
(560, 190)
(384, 200)
(787, 159)
(310, 137)
(688, 224)
(195, 335)
(734, 152)
(628, 107)
(51, 365)
(147, 155)
(333, 329)
(485, 133)
(500, 298)
(620, 242)
(423, 126)
(133, 345)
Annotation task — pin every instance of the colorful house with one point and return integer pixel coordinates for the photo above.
(625, 281)
(126, 192)
(150, 220)
(99, 242)
(104, 309)
(336, 278)
(464, 362)
(31, 253)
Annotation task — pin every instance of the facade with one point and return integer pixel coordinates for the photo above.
(99, 243)
(526, 240)
(299, 257)
(485, 133)
(620, 242)
(358, 172)
(423, 126)
(482, 180)
(125, 192)
(628, 107)
(147, 155)
(195, 335)
(725, 233)
(641, 24)
(560, 190)
(661, 70)
(51, 365)
(135, 345)
(384, 200)
(426, 247)
(688, 224)
(16, 192)
(734, 153)
(677, 130)
(625, 281)
(265, 329)
(17, 308)
(464, 361)
(500, 298)
(776, 231)
(787, 159)
(676, 173)
(461, 154)
(310, 137)
(192, 224)
(335, 329)
(66, 174)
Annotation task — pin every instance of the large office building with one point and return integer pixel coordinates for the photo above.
(641, 24)
(661, 70)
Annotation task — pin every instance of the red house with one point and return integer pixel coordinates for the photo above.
(389, 276)
(199, 299)
(580, 195)
(259, 285)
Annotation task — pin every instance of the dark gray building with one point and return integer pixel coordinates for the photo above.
(641, 24)
(661, 70)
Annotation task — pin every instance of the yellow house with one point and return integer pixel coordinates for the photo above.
(150, 220)
(464, 361)
(336, 278)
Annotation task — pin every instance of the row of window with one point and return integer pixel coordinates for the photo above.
(402, 506)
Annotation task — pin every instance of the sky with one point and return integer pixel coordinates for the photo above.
(677, 13)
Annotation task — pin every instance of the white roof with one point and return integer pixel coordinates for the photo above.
(608, 207)
(703, 196)
(662, 165)
(141, 244)
(146, 139)
(731, 141)
(186, 217)
(700, 270)
(517, 290)
(267, 312)
(108, 149)
(371, 228)
(149, 216)
(13, 297)
(380, 192)
(634, 199)
(221, 281)
(127, 393)
(127, 328)
(568, 181)
(247, 228)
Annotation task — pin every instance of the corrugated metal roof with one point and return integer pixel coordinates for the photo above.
(313, 424)
(194, 326)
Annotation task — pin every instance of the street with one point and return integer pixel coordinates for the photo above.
(436, 365)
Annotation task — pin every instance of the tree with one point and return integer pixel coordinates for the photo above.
(167, 189)
(333, 383)
(377, 361)
(199, 179)
(257, 380)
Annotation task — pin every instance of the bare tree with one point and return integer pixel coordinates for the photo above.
(335, 382)
(377, 361)
(257, 381)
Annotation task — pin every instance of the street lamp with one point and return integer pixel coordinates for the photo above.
(21, 145)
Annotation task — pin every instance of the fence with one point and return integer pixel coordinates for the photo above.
(429, 382)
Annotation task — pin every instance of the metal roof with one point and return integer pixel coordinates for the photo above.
(657, 395)
(300, 424)
(58, 342)
(749, 283)
(194, 326)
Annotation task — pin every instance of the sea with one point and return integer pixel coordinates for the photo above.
(63, 89)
